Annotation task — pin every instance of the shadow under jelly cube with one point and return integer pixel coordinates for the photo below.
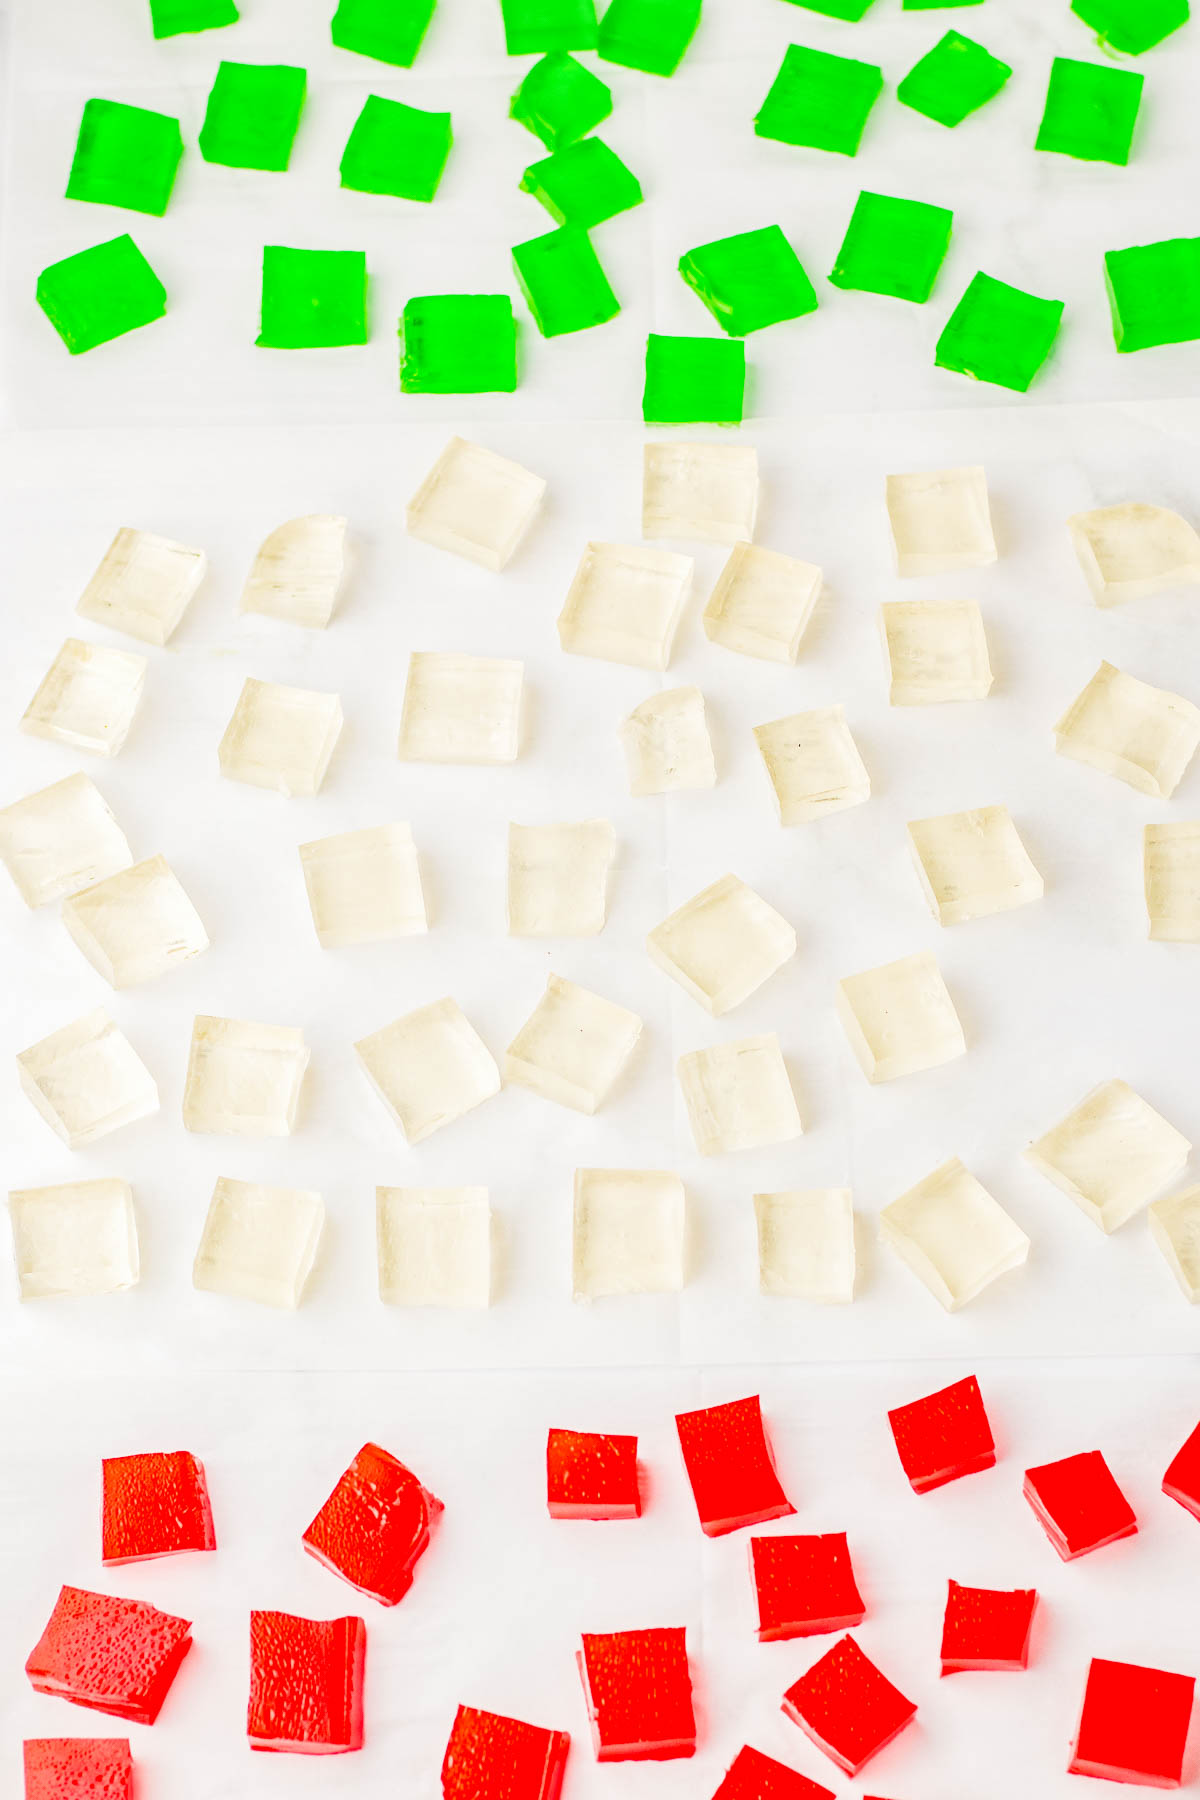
(375, 1526)
(1154, 293)
(110, 1655)
(306, 1684)
(943, 1436)
(893, 247)
(388, 30)
(313, 299)
(155, 1504)
(100, 294)
(730, 1467)
(848, 1707)
(819, 101)
(638, 1691)
(1134, 1724)
(999, 334)
(125, 156)
(490, 1757)
(458, 344)
(1079, 1505)
(396, 149)
(252, 116)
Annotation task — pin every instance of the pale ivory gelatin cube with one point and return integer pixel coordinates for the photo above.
(364, 886)
(461, 709)
(1130, 551)
(87, 1080)
(573, 1046)
(1175, 1228)
(666, 744)
(738, 1096)
(707, 491)
(298, 571)
(953, 1235)
(806, 1244)
(940, 520)
(244, 1079)
(87, 698)
(135, 925)
(143, 586)
(475, 503)
(762, 603)
(1141, 734)
(435, 1246)
(971, 864)
(1112, 1154)
(721, 945)
(625, 604)
(813, 764)
(900, 1018)
(935, 651)
(80, 1238)
(1171, 855)
(281, 737)
(61, 839)
(558, 878)
(259, 1243)
(629, 1235)
(429, 1068)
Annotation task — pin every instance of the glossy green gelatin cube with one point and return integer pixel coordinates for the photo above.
(893, 247)
(999, 334)
(583, 185)
(560, 101)
(820, 101)
(836, 9)
(389, 30)
(253, 115)
(313, 299)
(1091, 111)
(563, 283)
(694, 381)
(749, 281)
(1132, 25)
(458, 344)
(532, 26)
(125, 156)
(396, 149)
(1154, 292)
(100, 294)
(650, 35)
(956, 78)
(169, 18)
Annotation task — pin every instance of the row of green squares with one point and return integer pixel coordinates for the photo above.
(1131, 26)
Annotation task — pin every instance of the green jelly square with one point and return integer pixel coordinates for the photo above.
(836, 9)
(169, 18)
(532, 26)
(1091, 111)
(125, 156)
(583, 184)
(1132, 25)
(650, 35)
(396, 149)
(999, 334)
(1154, 292)
(893, 247)
(560, 101)
(749, 281)
(389, 30)
(563, 283)
(955, 79)
(820, 100)
(694, 381)
(313, 299)
(100, 294)
(252, 116)
(458, 344)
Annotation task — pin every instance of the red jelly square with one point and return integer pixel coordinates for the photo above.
(591, 1476)
(943, 1436)
(1134, 1725)
(374, 1527)
(1079, 1504)
(639, 1694)
(490, 1757)
(985, 1628)
(1182, 1479)
(753, 1776)
(154, 1505)
(306, 1684)
(849, 1709)
(805, 1585)
(78, 1769)
(115, 1656)
(730, 1467)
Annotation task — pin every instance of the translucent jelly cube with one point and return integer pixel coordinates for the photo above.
(1154, 293)
(722, 944)
(110, 1655)
(171, 17)
(666, 743)
(79, 1238)
(364, 886)
(491, 1757)
(738, 1096)
(1182, 1479)
(1111, 1155)
(375, 1526)
(936, 651)
(1175, 1228)
(389, 30)
(396, 149)
(628, 1232)
(749, 281)
(87, 698)
(953, 80)
(155, 1504)
(89, 1768)
(298, 571)
(1134, 1724)
(591, 1475)
(813, 765)
(583, 185)
(986, 1629)
(563, 282)
(804, 1586)
(1132, 26)
(999, 334)
(312, 299)
(558, 878)
(87, 1080)
(458, 344)
(943, 1436)
(694, 381)
(281, 738)
(973, 864)
(893, 247)
(61, 839)
(1090, 111)
(753, 1776)
(625, 604)
(135, 925)
(560, 101)
(730, 1467)
(429, 1068)
(259, 1243)
(252, 116)
(953, 1235)
(475, 503)
(639, 1694)
(806, 1245)
(435, 1246)
(940, 521)
(762, 603)
(1143, 735)
(650, 35)
(125, 156)
(461, 709)
(143, 585)
(100, 294)
(820, 101)
(1130, 551)
(244, 1079)
(706, 491)
(532, 26)
(848, 1707)
(572, 1047)
(1079, 1505)
(306, 1684)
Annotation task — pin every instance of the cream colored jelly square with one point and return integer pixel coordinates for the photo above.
(813, 764)
(738, 1095)
(629, 1232)
(259, 1243)
(558, 878)
(625, 604)
(762, 603)
(1171, 863)
(707, 491)
(1112, 1154)
(722, 944)
(940, 520)
(573, 1046)
(475, 503)
(1141, 734)
(143, 585)
(79, 1238)
(900, 1018)
(364, 886)
(972, 864)
(666, 744)
(435, 1246)
(281, 737)
(87, 1080)
(244, 1079)
(936, 651)
(298, 571)
(135, 925)
(87, 698)
(61, 839)
(461, 709)
(953, 1235)
(806, 1244)
(1130, 551)
(1175, 1228)
(429, 1068)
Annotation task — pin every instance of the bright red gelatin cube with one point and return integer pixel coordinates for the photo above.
(154, 1505)
(306, 1684)
(490, 1757)
(591, 1476)
(1134, 1725)
(985, 1628)
(753, 1776)
(115, 1656)
(943, 1436)
(374, 1527)
(1182, 1479)
(730, 1467)
(639, 1694)
(1079, 1504)
(78, 1769)
(805, 1585)
(849, 1709)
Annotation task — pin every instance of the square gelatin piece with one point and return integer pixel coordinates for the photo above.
(80, 1238)
(458, 344)
(813, 765)
(61, 839)
(953, 1235)
(848, 1707)
(953, 80)
(940, 521)
(135, 925)
(1145, 736)
(558, 878)
(583, 185)
(87, 1080)
(253, 114)
(985, 1629)
(730, 1467)
(819, 101)
(281, 738)
(1091, 111)
(936, 652)
(973, 864)
(560, 101)
(943, 1436)
(707, 491)
(475, 503)
(259, 1243)
(396, 149)
(753, 1776)
(143, 585)
(1132, 26)
(893, 247)
(170, 18)
(490, 1757)
(244, 1079)
(564, 285)
(88, 697)
(1131, 551)
(1112, 1154)
(109, 1655)
(639, 1694)
(87, 1768)
(625, 603)
(125, 156)
(999, 334)
(1079, 1505)
(762, 603)
(572, 1047)
(1175, 1228)
(375, 1526)
(628, 1233)
(592, 1475)
(694, 381)
(666, 744)
(1182, 1479)
(461, 709)
(1154, 293)
(364, 886)
(429, 1068)
(749, 281)
(1134, 1724)
(738, 1096)
(804, 1586)
(388, 30)
(100, 294)
(722, 944)
(297, 571)
(312, 299)
(155, 1504)
(533, 26)
(435, 1246)
(806, 1245)
(306, 1684)
(650, 35)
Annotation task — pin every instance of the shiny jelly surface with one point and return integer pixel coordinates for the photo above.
(490, 1757)
(306, 1680)
(375, 1526)
(1079, 1504)
(639, 1694)
(730, 1467)
(1134, 1724)
(115, 1656)
(944, 1436)
(847, 1706)
(986, 1628)
(155, 1504)
(804, 1585)
(591, 1475)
